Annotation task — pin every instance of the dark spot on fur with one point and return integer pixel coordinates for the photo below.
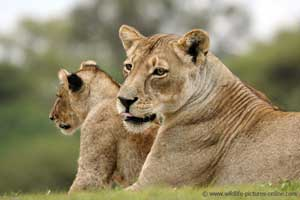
(75, 82)
(194, 49)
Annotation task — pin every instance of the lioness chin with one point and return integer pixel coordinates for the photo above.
(215, 129)
(108, 153)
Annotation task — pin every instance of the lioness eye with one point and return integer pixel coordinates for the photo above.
(160, 71)
(128, 67)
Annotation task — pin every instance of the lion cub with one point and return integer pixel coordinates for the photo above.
(108, 153)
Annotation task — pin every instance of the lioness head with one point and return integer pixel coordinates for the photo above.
(161, 73)
(77, 93)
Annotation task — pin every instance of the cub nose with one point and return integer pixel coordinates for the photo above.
(127, 102)
(51, 117)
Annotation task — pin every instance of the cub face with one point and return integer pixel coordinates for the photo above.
(72, 103)
(161, 72)
(62, 113)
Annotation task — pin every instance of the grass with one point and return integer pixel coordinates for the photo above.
(286, 190)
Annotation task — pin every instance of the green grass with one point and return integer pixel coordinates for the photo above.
(286, 190)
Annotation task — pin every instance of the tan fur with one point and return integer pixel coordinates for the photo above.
(108, 153)
(215, 129)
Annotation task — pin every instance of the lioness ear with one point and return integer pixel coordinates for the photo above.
(88, 63)
(63, 76)
(74, 82)
(129, 36)
(194, 43)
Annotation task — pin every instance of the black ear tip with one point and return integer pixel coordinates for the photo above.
(75, 82)
(194, 49)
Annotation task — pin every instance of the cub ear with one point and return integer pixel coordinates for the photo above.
(129, 36)
(88, 63)
(63, 76)
(195, 43)
(74, 82)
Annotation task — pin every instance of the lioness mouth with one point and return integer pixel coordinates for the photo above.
(138, 120)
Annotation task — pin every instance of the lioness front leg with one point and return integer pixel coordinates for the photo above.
(168, 165)
(154, 172)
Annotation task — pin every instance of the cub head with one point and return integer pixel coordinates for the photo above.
(62, 113)
(161, 74)
(77, 93)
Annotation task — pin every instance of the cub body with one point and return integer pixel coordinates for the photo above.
(108, 153)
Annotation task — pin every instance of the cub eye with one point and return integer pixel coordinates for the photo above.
(160, 71)
(58, 95)
(128, 67)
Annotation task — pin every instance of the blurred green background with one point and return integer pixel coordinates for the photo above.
(34, 155)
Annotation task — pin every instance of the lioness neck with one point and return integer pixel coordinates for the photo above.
(220, 97)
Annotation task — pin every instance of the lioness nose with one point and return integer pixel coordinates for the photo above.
(51, 117)
(127, 102)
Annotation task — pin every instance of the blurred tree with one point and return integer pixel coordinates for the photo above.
(94, 25)
(12, 85)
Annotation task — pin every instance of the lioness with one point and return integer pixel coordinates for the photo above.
(215, 129)
(86, 99)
